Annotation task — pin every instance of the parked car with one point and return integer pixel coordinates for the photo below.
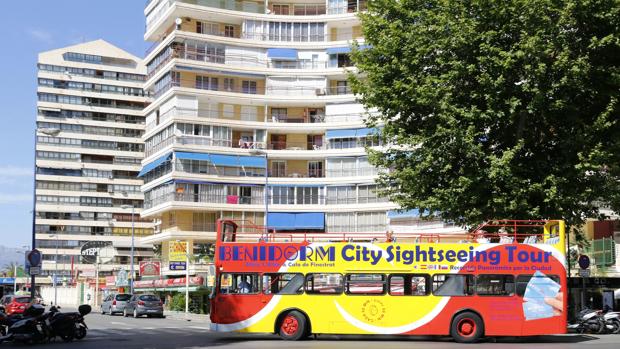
(144, 304)
(3, 302)
(115, 303)
(15, 304)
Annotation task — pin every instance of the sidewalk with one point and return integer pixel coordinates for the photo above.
(180, 315)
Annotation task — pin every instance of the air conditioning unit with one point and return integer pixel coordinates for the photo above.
(320, 91)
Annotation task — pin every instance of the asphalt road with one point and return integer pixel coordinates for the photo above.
(126, 333)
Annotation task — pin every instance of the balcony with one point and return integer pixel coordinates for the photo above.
(237, 60)
(233, 199)
(253, 88)
(292, 118)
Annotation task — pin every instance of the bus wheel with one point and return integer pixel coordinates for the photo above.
(467, 327)
(293, 326)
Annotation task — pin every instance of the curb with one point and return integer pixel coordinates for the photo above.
(179, 315)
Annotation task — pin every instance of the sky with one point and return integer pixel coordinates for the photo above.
(30, 27)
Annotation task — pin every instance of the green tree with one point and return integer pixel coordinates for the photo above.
(495, 109)
(9, 270)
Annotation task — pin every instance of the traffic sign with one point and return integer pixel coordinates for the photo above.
(584, 273)
(177, 266)
(33, 262)
(584, 261)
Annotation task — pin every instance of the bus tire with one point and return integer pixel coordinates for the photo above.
(293, 326)
(467, 327)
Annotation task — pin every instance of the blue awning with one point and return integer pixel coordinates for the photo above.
(346, 49)
(282, 53)
(298, 185)
(7, 281)
(253, 161)
(351, 133)
(335, 50)
(192, 156)
(296, 221)
(225, 160)
(152, 165)
(340, 133)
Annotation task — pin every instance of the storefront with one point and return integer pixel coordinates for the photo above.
(599, 292)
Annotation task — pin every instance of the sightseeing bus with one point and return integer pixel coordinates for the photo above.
(504, 278)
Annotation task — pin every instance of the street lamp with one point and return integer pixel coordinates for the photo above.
(124, 207)
(259, 152)
(55, 271)
(52, 132)
(26, 248)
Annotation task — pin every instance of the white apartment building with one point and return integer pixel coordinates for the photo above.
(88, 153)
(244, 87)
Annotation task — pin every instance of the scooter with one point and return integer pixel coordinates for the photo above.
(590, 321)
(68, 326)
(31, 328)
(612, 322)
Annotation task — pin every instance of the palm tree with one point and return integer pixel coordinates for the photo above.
(9, 270)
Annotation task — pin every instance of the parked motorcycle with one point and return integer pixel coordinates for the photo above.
(7, 320)
(612, 321)
(589, 321)
(68, 326)
(29, 329)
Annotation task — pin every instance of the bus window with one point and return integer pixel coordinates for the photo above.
(523, 280)
(453, 285)
(283, 283)
(324, 283)
(366, 284)
(239, 283)
(408, 285)
(229, 230)
(495, 285)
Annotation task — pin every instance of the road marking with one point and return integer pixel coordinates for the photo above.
(117, 323)
(198, 327)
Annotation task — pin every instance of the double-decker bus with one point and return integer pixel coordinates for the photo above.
(505, 278)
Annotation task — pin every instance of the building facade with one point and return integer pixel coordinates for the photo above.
(88, 152)
(245, 89)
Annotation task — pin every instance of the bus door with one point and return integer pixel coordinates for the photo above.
(238, 297)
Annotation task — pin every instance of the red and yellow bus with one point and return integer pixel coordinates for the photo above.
(506, 278)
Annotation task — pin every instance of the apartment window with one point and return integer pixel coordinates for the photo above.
(248, 86)
(409, 285)
(342, 88)
(278, 168)
(280, 9)
(229, 31)
(279, 114)
(229, 84)
(315, 169)
(207, 28)
(207, 83)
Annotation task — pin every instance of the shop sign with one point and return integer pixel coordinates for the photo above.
(150, 268)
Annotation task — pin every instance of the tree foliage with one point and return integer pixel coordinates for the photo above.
(495, 109)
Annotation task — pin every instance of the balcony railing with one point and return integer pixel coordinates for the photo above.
(234, 199)
(276, 118)
(256, 90)
(240, 60)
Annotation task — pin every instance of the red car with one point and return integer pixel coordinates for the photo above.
(15, 304)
